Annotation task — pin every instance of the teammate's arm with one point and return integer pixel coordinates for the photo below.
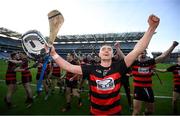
(119, 53)
(15, 61)
(166, 53)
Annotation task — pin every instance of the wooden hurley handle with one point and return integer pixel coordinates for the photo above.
(56, 20)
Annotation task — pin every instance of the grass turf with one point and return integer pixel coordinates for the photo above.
(56, 102)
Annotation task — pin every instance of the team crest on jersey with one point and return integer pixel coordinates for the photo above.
(143, 70)
(99, 71)
(105, 84)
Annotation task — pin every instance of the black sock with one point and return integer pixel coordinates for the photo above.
(148, 113)
(79, 100)
(68, 106)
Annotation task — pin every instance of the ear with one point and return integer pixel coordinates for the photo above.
(99, 54)
(112, 54)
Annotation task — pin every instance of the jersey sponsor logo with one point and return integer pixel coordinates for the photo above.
(105, 84)
(143, 70)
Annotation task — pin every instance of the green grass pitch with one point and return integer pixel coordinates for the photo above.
(55, 102)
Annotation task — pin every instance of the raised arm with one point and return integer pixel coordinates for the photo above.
(64, 64)
(119, 54)
(76, 55)
(144, 41)
(16, 61)
(166, 53)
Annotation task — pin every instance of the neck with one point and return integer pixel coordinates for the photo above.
(106, 63)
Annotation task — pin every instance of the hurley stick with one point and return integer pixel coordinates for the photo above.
(56, 20)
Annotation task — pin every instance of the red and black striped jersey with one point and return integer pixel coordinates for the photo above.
(25, 73)
(39, 69)
(11, 74)
(69, 75)
(142, 73)
(175, 69)
(40, 66)
(105, 84)
(56, 70)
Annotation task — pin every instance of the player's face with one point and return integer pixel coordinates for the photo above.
(18, 56)
(69, 57)
(142, 55)
(106, 52)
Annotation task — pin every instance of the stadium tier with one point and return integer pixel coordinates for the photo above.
(9, 41)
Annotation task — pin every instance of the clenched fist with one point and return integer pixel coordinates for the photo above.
(175, 43)
(153, 21)
(117, 45)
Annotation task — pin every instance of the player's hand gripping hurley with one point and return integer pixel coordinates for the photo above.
(33, 42)
(55, 22)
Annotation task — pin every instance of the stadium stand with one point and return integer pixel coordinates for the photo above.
(4, 55)
(9, 41)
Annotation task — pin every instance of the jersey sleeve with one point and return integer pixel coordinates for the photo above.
(152, 61)
(86, 70)
(122, 67)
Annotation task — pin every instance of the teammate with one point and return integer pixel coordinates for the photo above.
(26, 79)
(104, 79)
(175, 69)
(11, 79)
(71, 84)
(39, 69)
(45, 77)
(125, 78)
(54, 75)
(142, 71)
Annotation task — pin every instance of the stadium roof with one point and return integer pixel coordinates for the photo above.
(100, 38)
(86, 38)
(9, 33)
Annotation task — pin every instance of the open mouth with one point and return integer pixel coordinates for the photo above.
(106, 54)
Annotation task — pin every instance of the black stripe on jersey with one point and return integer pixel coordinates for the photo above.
(10, 71)
(107, 107)
(143, 76)
(177, 81)
(145, 64)
(175, 72)
(25, 72)
(134, 69)
(145, 82)
(104, 96)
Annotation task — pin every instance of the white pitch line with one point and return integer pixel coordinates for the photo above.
(162, 97)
